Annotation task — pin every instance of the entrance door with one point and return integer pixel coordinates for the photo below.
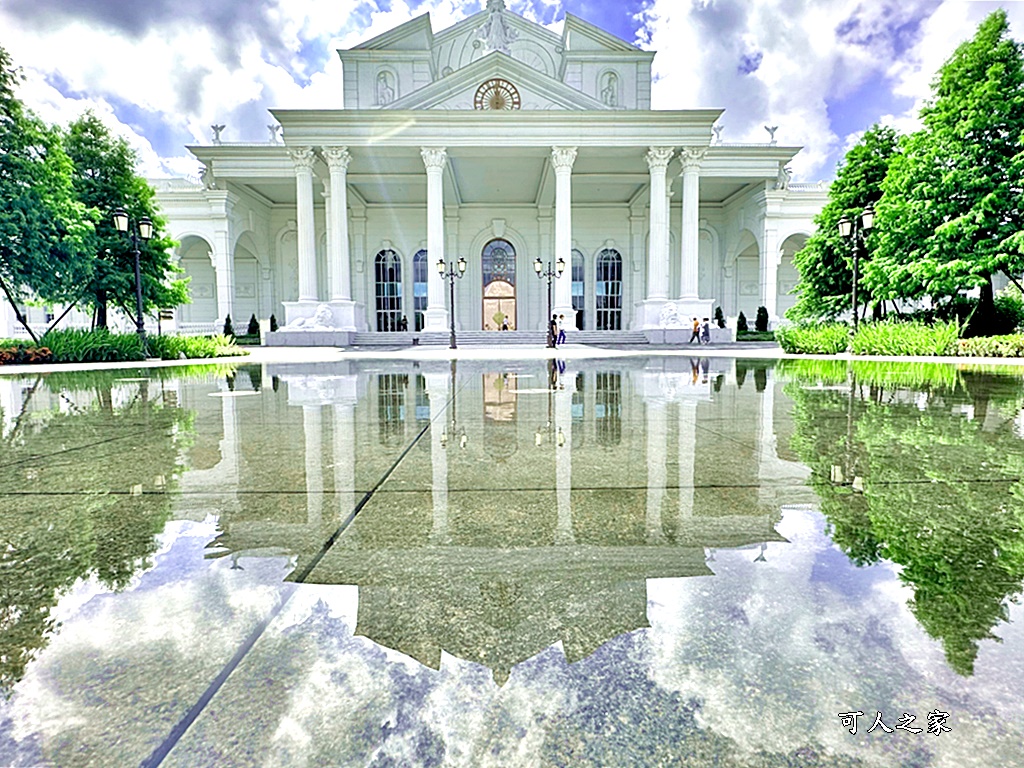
(498, 267)
(499, 306)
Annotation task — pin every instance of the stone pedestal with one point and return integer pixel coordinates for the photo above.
(347, 315)
(299, 310)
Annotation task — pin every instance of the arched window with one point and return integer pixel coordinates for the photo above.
(578, 287)
(388, 275)
(608, 408)
(609, 290)
(419, 288)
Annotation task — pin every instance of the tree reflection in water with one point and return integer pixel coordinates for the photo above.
(65, 519)
(937, 454)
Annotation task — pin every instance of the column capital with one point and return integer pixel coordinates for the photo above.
(434, 158)
(563, 158)
(303, 158)
(691, 157)
(337, 158)
(659, 157)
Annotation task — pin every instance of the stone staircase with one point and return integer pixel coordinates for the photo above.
(494, 338)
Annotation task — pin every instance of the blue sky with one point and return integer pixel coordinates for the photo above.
(163, 71)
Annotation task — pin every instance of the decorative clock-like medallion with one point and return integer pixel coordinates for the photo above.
(496, 94)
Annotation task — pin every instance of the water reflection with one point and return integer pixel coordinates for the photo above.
(923, 468)
(87, 475)
(547, 498)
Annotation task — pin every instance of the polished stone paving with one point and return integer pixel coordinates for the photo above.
(594, 561)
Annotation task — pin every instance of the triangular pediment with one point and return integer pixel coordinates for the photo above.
(580, 35)
(414, 35)
(537, 91)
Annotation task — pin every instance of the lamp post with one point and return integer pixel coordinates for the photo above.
(451, 271)
(543, 271)
(854, 229)
(136, 231)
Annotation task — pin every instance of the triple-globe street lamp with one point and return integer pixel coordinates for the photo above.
(451, 271)
(545, 271)
(854, 229)
(136, 231)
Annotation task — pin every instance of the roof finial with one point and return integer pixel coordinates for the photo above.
(495, 5)
(495, 33)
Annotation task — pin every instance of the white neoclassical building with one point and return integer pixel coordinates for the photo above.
(501, 142)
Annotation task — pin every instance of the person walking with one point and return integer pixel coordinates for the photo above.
(561, 330)
(705, 331)
(553, 331)
(695, 336)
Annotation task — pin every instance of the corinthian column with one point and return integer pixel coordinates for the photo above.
(562, 159)
(303, 158)
(342, 307)
(658, 159)
(435, 158)
(690, 302)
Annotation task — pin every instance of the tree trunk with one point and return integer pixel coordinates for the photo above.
(101, 310)
(986, 315)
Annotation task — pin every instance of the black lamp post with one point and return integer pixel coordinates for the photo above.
(855, 229)
(451, 271)
(543, 271)
(142, 230)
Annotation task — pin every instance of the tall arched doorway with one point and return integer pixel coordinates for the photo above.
(498, 266)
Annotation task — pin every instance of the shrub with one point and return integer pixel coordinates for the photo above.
(901, 338)
(719, 317)
(21, 353)
(992, 346)
(824, 339)
(177, 347)
(99, 346)
(273, 324)
(741, 324)
(229, 329)
(254, 326)
(1009, 311)
(761, 322)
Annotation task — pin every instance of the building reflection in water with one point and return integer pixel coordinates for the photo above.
(533, 509)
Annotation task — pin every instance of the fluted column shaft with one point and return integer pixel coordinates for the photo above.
(658, 159)
(562, 158)
(303, 159)
(338, 159)
(691, 158)
(435, 159)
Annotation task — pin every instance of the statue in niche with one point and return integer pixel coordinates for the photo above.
(385, 88)
(610, 91)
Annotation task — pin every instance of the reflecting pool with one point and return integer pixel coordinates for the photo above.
(628, 562)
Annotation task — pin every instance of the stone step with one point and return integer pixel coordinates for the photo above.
(494, 338)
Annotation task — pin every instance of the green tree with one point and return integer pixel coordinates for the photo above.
(44, 230)
(825, 263)
(105, 180)
(951, 201)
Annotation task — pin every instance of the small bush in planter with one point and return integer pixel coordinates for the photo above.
(761, 323)
(719, 317)
(273, 324)
(254, 326)
(741, 324)
(229, 329)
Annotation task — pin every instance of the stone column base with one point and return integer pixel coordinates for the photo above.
(691, 307)
(648, 314)
(435, 320)
(348, 315)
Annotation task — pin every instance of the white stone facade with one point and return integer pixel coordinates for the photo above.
(495, 135)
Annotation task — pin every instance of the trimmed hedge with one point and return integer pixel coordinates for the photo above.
(100, 346)
(178, 347)
(825, 339)
(992, 346)
(902, 339)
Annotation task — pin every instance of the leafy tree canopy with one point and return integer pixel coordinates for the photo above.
(952, 201)
(44, 228)
(105, 180)
(825, 263)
